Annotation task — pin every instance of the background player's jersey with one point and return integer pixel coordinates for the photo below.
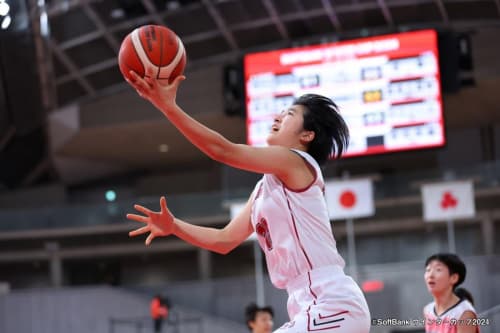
(447, 322)
(293, 226)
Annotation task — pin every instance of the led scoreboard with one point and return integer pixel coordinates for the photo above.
(387, 89)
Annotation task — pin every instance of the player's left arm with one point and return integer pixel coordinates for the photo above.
(466, 323)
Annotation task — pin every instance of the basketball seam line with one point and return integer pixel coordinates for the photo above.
(161, 56)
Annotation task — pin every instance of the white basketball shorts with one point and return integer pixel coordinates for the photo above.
(328, 301)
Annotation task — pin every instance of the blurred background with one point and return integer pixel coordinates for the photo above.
(78, 147)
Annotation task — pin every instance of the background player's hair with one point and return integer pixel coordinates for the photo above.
(463, 293)
(331, 134)
(251, 312)
(453, 262)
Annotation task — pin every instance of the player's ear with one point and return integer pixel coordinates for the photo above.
(307, 136)
(454, 278)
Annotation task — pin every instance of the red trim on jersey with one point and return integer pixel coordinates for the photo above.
(295, 229)
(309, 166)
(258, 192)
(309, 329)
(310, 287)
(333, 315)
(308, 318)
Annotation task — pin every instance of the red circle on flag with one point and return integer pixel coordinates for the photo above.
(347, 199)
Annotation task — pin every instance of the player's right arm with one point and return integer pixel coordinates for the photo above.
(164, 223)
(280, 161)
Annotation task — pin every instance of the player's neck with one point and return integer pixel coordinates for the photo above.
(294, 145)
(445, 301)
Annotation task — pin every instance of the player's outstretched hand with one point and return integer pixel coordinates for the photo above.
(159, 92)
(157, 223)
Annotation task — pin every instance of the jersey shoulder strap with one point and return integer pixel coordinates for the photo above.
(309, 159)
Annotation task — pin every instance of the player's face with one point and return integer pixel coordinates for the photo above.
(438, 279)
(287, 127)
(263, 323)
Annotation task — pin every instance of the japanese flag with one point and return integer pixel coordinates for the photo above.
(348, 199)
(448, 201)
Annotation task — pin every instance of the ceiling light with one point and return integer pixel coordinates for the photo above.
(44, 24)
(110, 195)
(6, 22)
(163, 148)
(117, 13)
(172, 5)
(4, 8)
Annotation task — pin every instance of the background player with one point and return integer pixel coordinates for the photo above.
(448, 313)
(286, 209)
(159, 312)
(259, 319)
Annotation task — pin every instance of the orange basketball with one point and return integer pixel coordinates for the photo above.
(152, 46)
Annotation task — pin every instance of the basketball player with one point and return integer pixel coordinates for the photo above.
(449, 313)
(259, 319)
(287, 209)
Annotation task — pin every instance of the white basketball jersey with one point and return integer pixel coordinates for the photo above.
(293, 226)
(447, 322)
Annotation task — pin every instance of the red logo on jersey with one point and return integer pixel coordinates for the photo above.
(263, 230)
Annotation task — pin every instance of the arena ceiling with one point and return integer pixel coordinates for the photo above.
(80, 63)
(85, 35)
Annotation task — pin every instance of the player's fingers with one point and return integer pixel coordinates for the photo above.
(132, 81)
(149, 239)
(137, 88)
(150, 72)
(143, 210)
(149, 80)
(142, 86)
(178, 80)
(133, 77)
(143, 94)
(163, 205)
(139, 231)
(138, 82)
(138, 218)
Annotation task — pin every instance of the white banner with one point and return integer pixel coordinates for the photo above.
(349, 199)
(448, 201)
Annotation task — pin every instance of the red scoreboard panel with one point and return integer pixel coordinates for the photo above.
(387, 88)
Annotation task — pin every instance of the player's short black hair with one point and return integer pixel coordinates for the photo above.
(453, 262)
(251, 312)
(331, 134)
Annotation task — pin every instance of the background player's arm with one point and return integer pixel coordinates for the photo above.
(275, 160)
(222, 241)
(465, 324)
